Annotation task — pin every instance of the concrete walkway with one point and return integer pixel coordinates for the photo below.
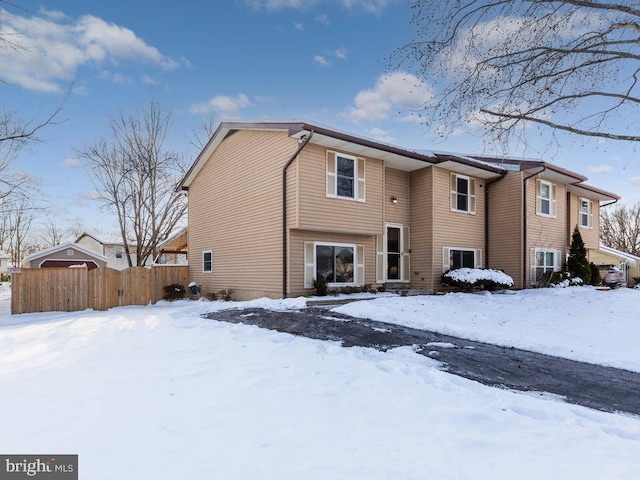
(602, 388)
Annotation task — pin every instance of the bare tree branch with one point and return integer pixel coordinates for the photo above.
(570, 65)
(135, 177)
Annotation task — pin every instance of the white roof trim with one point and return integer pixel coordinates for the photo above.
(631, 259)
(61, 247)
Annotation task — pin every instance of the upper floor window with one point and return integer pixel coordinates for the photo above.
(585, 213)
(546, 199)
(119, 251)
(463, 194)
(345, 176)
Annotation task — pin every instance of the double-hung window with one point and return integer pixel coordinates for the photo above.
(207, 261)
(585, 213)
(546, 199)
(545, 262)
(463, 194)
(345, 176)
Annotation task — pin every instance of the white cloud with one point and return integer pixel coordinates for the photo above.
(224, 105)
(149, 81)
(600, 169)
(323, 19)
(341, 53)
(380, 135)
(369, 6)
(52, 14)
(71, 162)
(53, 47)
(635, 180)
(321, 61)
(399, 90)
(298, 26)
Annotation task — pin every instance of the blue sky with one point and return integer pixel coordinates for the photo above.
(320, 60)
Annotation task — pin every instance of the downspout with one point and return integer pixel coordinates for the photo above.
(284, 211)
(524, 224)
(486, 215)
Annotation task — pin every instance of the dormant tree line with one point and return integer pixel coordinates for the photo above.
(503, 66)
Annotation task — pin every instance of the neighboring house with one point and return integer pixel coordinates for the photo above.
(112, 248)
(5, 263)
(607, 257)
(274, 205)
(65, 255)
(173, 251)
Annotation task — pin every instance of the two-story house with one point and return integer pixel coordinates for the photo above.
(275, 205)
(112, 248)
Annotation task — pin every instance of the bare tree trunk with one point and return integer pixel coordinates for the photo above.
(136, 178)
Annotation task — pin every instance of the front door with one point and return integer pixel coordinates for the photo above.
(394, 253)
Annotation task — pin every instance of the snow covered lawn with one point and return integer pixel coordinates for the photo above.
(580, 323)
(158, 392)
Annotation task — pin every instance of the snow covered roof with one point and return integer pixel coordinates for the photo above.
(631, 260)
(61, 247)
(177, 241)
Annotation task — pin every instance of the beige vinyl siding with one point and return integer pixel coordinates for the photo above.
(421, 220)
(545, 232)
(591, 235)
(318, 212)
(396, 184)
(506, 226)
(296, 256)
(454, 229)
(235, 210)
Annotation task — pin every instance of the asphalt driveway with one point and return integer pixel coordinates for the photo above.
(602, 388)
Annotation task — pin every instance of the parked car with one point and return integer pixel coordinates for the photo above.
(615, 278)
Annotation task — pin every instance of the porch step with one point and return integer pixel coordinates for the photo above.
(404, 290)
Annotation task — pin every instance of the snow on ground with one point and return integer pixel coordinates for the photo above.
(158, 392)
(579, 323)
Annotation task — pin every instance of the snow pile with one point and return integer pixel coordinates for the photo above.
(474, 275)
(204, 399)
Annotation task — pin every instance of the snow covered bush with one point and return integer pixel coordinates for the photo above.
(470, 279)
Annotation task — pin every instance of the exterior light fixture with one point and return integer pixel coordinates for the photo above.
(394, 200)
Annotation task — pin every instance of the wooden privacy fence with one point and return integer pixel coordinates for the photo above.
(72, 289)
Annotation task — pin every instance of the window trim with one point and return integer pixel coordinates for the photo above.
(353, 246)
(471, 195)
(210, 252)
(534, 267)
(447, 252)
(331, 174)
(552, 199)
(589, 213)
